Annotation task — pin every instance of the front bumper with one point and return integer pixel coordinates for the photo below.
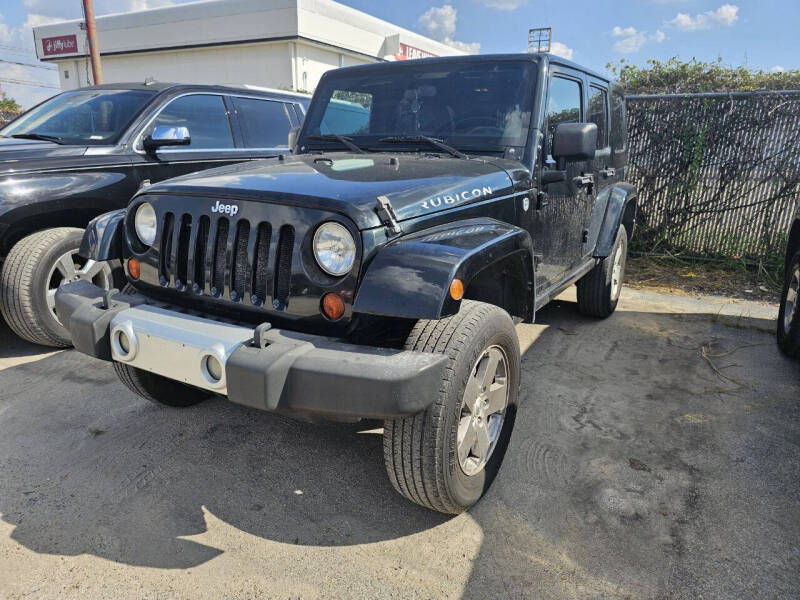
(287, 372)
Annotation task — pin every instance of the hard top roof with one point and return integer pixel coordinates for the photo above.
(478, 58)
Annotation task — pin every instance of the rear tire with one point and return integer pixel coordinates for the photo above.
(429, 456)
(32, 271)
(600, 288)
(158, 389)
(789, 315)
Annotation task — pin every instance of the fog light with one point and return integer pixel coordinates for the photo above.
(213, 367)
(124, 342)
(332, 306)
(134, 268)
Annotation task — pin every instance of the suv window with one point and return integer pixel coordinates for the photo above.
(598, 114)
(82, 117)
(563, 104)
(347, 113)
(619, 129)
(264, 123)
(204, 115)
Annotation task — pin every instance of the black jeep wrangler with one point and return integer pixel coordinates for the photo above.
(378, 273)
(87, 151)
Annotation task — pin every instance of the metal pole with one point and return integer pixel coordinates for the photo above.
(91, 31)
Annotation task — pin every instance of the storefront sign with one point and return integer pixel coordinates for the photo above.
(409, 53)
(63, 44)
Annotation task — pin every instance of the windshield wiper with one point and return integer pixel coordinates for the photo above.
(38, 136)
(345, 141)
(437, 143)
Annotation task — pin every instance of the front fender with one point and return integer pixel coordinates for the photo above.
(621, 209)
(410, 278)
(104, 237)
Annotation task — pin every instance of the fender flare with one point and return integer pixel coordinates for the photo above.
(104, 238)
(410, 277)
(621, 208)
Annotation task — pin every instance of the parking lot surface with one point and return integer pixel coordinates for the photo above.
(656, 455)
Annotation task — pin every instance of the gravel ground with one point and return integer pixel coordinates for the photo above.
(656, 455)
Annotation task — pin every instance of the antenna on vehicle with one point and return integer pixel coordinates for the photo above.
(539, 39)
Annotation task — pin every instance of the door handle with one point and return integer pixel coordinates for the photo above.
(583, 180)
(586, 181)
(608, 173)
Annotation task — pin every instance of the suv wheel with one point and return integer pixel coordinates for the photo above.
(446, 457)
(34, 269)
(600, 288)
(158, 389)
(789, 315)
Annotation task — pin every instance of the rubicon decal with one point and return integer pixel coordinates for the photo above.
(226, 209)
(463, 196)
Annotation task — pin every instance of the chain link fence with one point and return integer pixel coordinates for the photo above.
(718, 174)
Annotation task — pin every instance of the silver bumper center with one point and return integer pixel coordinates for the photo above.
(181, 347)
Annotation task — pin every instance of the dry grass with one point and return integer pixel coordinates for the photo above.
(680, 276)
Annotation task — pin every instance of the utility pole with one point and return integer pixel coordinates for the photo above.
(91, 34)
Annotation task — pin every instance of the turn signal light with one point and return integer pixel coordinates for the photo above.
(333, 306)
(133, 268)
(457, 289)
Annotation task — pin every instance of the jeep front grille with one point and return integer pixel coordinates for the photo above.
(228, 259)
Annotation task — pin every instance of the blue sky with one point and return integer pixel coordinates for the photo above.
(761, 34)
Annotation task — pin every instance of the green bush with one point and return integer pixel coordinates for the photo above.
(687, 77)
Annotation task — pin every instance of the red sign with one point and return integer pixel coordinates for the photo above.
(63, 44)
(409, 53)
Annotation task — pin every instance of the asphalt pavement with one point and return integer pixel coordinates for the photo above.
(656, 455)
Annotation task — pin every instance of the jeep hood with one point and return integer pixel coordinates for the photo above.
(350, 184)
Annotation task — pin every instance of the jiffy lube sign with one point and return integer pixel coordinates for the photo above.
(62, 44)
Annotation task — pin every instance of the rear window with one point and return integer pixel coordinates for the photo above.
(619, 128)
(264, 123)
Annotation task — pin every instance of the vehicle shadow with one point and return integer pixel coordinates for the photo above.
(13, 347)
(89, 468)
(644, 459)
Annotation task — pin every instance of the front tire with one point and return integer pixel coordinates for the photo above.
(789, 315)
(600, 288)
(446, 457)
(158, 389)
(31, 274)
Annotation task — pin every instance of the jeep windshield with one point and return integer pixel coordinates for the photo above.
(474, 107)
(87, 117)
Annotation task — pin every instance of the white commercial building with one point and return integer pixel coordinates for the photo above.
(285, 44)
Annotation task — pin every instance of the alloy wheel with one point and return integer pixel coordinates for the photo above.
(483, 410)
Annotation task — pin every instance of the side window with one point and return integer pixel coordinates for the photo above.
(563, 104)
(264, 123)
(619, 128)
(205, 117)
(598, 114)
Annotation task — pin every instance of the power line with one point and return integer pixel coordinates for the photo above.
(15, 49)
(31, 83)
(27, 64)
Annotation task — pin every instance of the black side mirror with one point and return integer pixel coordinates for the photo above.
(293, 132)
(166, 135)
(573, 142)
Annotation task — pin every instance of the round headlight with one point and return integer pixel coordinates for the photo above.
(334, 249)
(145, 224)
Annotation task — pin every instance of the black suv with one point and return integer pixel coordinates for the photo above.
(789, 315)
(85, 152)
(378, 273)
